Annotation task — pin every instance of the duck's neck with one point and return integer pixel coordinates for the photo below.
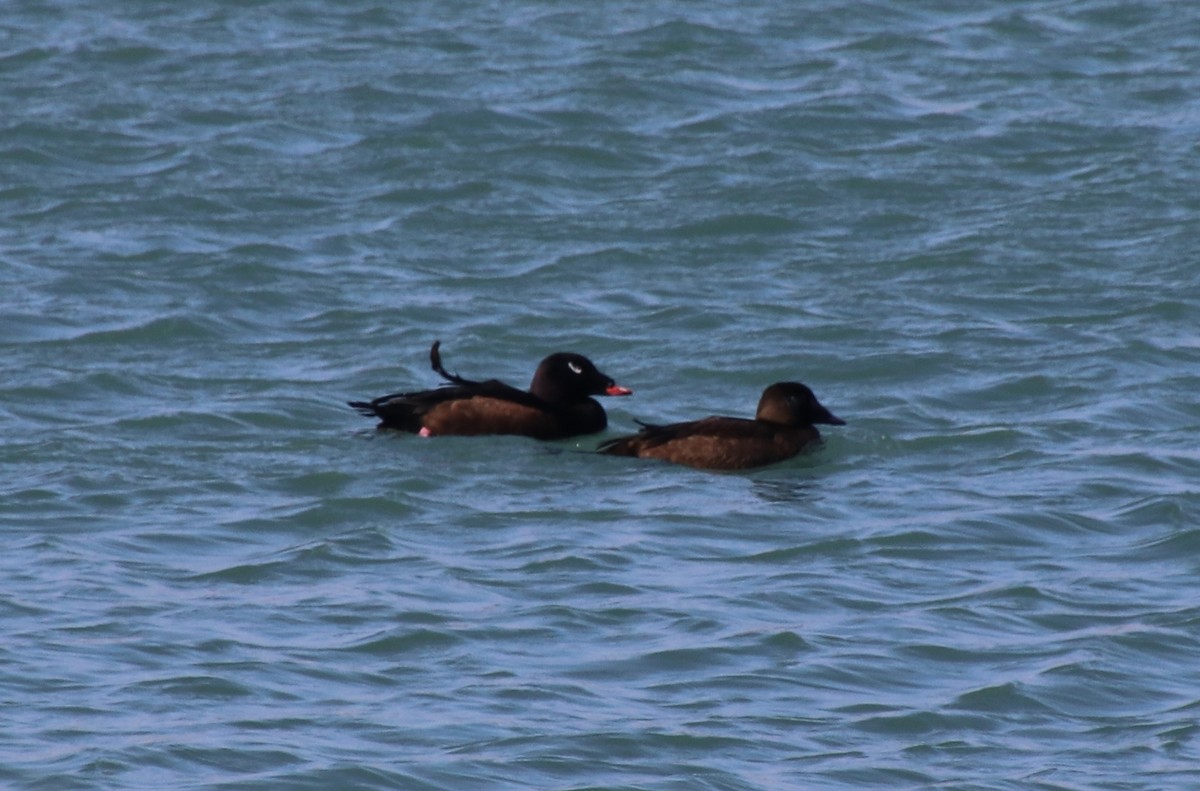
(777, 412)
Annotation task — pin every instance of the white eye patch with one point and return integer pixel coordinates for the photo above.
(575, 368)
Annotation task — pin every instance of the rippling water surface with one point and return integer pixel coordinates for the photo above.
(971, 228)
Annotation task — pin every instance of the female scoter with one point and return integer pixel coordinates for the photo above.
(782, 427)
(556, 405)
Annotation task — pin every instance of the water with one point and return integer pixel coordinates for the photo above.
(971, 229)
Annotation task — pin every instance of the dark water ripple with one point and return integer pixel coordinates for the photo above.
(969, 228)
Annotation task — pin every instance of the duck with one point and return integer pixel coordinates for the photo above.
(558, 403)
(783, 426)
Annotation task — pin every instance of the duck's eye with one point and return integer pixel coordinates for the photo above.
(575, 368)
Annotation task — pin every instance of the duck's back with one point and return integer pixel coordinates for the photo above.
(478, 408)
(716, 443)
(482, 414)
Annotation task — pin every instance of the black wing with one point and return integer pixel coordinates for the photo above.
(405, 410)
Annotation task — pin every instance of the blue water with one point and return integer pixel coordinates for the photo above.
(970, 228)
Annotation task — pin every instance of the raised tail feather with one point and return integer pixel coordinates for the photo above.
(435, 362)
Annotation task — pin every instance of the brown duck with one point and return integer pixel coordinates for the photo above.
(781, 428)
